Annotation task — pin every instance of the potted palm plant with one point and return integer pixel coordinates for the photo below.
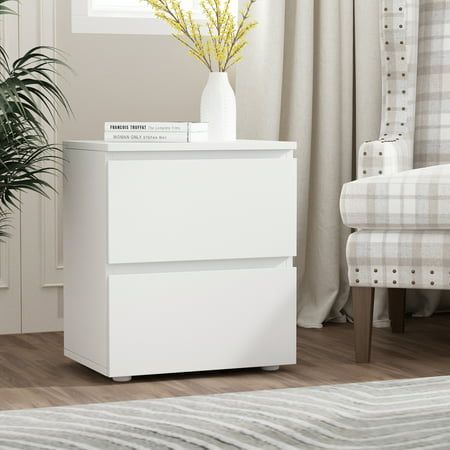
(29, 101)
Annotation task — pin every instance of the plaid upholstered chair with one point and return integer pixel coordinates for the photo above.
(400, 203)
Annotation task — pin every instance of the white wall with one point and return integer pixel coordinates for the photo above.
(121, 77)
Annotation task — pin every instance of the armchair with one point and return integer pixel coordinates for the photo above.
(400, 203)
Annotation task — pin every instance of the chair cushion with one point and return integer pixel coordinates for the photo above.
(399, 259)
(414, 199)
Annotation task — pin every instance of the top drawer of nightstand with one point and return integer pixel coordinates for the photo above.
(202, 209)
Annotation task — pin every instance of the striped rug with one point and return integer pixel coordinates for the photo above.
(381, 415)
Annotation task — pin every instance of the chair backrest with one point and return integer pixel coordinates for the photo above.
(432, 122)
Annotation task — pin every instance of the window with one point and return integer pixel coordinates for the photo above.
(121, 16)
(128, 8)
(118, 8)
(115, 17)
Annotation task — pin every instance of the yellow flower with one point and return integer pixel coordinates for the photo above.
(225, 41)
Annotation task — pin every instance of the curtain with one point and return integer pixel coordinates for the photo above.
(312, 74)
(296, 83)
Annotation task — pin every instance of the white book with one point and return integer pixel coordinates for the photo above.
(126, 136)
(166, 127)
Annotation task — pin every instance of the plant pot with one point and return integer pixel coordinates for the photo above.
(218, 107)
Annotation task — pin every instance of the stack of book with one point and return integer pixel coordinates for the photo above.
(156, 132)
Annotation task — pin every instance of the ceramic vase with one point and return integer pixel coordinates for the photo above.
(218, 108)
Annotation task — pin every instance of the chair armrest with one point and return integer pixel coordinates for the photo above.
(385, 157)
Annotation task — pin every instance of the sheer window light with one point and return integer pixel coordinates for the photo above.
(122, 16)
(126, 8)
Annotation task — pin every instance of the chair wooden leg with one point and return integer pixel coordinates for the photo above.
(397, 305)
(363, 317)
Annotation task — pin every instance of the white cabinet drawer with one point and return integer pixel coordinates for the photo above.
(192, 321)
(188, 210)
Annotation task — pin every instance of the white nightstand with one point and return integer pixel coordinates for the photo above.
(178, 257)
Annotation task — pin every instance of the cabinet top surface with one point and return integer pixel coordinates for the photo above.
(239, 145)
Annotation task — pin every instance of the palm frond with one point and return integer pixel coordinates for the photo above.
(30, 104)
(6, 9)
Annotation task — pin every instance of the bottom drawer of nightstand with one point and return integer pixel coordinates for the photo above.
(193, 321)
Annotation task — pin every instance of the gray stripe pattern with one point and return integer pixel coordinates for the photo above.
(391, 415)
(432, 137)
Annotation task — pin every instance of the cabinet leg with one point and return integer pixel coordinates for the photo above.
(121, 379)
(363, 298)
(270, 368)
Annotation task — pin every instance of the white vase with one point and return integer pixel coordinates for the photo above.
(218, 108)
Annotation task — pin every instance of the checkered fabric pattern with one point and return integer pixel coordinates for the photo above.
(432, 135)
(393, 151)
(399, 259)
(415, 199)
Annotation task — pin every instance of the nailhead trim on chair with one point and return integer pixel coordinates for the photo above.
(403, 279)
(394, 65)
(417, 259)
